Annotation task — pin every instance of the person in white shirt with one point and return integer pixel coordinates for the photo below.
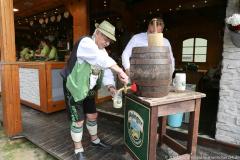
(88, 67)
(141, 40)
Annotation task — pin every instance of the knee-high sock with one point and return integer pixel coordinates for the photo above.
(76, 132)
(92, 127)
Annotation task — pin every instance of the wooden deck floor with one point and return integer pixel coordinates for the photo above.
(51, 133)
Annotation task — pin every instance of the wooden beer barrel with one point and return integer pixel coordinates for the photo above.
(151, 70)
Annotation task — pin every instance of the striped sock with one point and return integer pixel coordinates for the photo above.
(77, 150)
(96, 141)
(76, 132)
(92, 127)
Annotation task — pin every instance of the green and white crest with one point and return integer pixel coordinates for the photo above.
(135, 128)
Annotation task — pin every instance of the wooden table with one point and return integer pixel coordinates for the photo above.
(141, 118)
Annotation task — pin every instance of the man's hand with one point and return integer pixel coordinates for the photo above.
(123, 77)
(112, 90)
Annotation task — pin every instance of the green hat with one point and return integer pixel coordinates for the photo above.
(107, 29)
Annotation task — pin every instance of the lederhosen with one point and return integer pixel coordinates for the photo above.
(77, 110)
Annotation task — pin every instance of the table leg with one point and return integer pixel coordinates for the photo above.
(153, 133)
(193, 129)
(162, 121)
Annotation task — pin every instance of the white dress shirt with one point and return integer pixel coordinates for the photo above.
(88, 51)
(141, 40)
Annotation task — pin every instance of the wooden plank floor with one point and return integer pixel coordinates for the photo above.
(51, 133)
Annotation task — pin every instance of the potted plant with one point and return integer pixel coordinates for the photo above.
(233, 23)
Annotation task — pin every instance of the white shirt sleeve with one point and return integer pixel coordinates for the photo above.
(167, 43)
(127, 53)
(88, 51)
(108, 78)
(138, 40)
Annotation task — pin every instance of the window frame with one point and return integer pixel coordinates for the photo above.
(194, 50)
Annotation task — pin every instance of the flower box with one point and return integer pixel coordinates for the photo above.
(235, 37)
(233, 23)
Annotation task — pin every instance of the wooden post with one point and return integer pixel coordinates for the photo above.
(9, 71)
(162, 121)
(193, 129)
(79, 11)
(153, 134)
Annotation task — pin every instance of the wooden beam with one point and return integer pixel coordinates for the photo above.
(206, 141)
(79, 11)
(193, 129)
(9, 71)
(168, 109)
(34, 7)
(164, 6)
(177, 147)
(162, 121)
(153, 134)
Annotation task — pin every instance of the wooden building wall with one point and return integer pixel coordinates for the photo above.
(197, 25)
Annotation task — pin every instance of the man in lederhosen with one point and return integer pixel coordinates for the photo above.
(88, 67)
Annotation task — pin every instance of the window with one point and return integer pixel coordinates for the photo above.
(194, 50)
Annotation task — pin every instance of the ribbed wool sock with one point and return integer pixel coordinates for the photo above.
(92, 127)
(96, 141)
(77, 150)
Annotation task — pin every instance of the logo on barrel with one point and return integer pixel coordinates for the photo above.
(135, 128)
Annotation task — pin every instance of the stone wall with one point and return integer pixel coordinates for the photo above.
(228, 119)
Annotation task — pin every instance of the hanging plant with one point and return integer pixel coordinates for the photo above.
(66, 14)
(46, 20)
(59, 17)
(52, 19)
(31, 23)
(233, 23)
(41, 20)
